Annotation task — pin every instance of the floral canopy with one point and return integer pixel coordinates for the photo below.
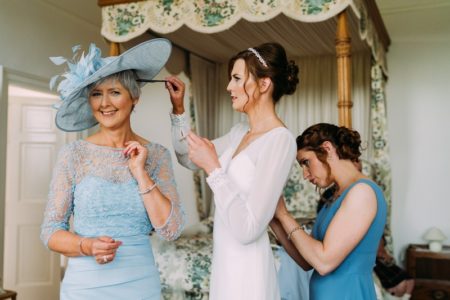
(124, 20)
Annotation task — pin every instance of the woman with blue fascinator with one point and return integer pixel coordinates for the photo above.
(247, 169)
(115, 184)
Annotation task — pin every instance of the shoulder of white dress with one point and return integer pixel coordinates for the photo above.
(283, 131)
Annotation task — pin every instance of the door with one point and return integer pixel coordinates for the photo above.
(33, 142)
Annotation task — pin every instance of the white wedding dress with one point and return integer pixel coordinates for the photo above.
(246, 191)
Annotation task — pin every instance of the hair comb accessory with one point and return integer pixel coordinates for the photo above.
(258, 56)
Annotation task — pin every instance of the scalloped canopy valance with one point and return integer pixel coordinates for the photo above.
(221, 18)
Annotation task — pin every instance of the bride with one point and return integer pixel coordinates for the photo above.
(247, 169)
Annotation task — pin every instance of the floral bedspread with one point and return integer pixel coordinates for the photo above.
(184, 266)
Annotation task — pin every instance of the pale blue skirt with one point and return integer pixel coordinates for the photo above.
(131, 275)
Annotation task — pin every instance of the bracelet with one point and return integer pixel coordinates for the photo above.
(80, 247)
(148, 190)
(292, 231)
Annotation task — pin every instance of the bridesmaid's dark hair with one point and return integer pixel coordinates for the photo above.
(273, 63)
(346, 141)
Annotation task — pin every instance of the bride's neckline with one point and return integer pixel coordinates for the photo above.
(235, 154)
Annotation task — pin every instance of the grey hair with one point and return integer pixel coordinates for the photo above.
(127, 78)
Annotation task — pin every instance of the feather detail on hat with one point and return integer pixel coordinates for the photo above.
(80, 67)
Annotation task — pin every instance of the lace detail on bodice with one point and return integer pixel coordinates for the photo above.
(94, 184)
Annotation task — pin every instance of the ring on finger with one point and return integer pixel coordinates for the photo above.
(105, 259)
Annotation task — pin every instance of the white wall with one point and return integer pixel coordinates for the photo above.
(418, 97)
(32, 30)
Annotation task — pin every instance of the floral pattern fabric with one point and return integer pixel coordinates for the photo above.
(184, 266)
(380, 151)
(300, 195)
(123, 22)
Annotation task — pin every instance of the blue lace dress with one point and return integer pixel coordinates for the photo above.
(352, 280)
(94, 185)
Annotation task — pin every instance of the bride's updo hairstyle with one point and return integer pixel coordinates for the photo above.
(270, 60)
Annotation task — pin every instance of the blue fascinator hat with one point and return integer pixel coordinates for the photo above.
(74, 112)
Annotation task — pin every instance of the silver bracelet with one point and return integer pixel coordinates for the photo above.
(148, 190)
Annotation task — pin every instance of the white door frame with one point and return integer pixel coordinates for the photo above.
(3, 134)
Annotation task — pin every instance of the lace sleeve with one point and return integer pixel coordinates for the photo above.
(180, 129)
(60, 205)
(164, 177)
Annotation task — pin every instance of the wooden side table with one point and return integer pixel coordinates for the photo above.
(8, 295)
(431, 271)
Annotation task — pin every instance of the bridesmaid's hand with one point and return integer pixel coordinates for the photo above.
(202, 152)
(102, 248)
(137, 157)
(281, 210)
(176, 90)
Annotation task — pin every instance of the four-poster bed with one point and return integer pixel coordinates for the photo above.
(312, 31)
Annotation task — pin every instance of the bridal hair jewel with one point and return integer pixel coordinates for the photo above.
(261, 60)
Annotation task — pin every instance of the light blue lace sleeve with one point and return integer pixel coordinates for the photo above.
(164, 177)
(60, 199)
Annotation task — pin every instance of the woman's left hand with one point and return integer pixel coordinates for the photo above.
(137, 157)
(202, 153)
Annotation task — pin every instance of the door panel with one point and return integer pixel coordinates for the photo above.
(33, 141)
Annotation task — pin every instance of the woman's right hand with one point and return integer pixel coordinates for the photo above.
(176, 90)
(102, 248)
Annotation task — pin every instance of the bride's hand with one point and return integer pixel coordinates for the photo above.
(202, 153)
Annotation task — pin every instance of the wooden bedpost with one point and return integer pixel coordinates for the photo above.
(114, 49)
(343, 53)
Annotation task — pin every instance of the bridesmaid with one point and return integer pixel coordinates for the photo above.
(348, 227)
(247, 169)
